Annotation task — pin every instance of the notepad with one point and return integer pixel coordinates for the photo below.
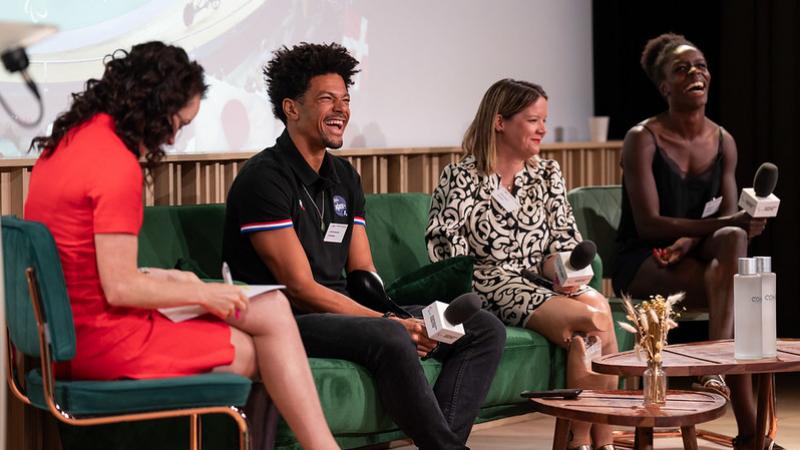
(181, 313)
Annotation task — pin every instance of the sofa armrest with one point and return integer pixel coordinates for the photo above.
(597, 268)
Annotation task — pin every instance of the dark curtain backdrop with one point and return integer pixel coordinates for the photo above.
(753, 50)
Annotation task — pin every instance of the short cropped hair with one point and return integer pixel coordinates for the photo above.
(289, 72)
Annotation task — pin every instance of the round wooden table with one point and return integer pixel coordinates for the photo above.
(683, 409)
(716, 358)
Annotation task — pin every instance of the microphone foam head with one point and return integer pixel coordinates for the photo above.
(582, 255)
(765, 180)
(462, 308)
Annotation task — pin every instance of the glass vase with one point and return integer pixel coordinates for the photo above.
(654, 382)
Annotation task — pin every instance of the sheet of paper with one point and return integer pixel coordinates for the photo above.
(181, 313)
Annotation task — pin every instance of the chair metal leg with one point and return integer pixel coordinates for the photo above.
(194, 432)
(244, 430)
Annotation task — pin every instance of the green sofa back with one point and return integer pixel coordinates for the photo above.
(396, 228)
(191, 234)
(597, 211)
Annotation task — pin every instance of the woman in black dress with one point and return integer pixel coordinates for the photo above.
(681, 229)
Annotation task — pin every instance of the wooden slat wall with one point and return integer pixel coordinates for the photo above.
(205, 178)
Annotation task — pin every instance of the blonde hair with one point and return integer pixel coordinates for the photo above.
(506, 98)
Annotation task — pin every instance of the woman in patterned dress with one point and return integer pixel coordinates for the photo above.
(507, 208)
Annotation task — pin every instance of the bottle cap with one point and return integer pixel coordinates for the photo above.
(763, 264)
(747, 266)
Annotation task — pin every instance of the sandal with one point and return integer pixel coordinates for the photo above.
(714, 384)
(606, 447)
(581, 447)
(745, 442)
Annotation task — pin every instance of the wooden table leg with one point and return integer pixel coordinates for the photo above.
(644, 438)
(561, 434)
(689, 438)
(772, 422)
(764, 393)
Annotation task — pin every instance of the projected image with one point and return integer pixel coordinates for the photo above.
(230, 38)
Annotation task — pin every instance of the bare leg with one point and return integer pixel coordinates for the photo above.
(602, 434)
(728, 244)
(707, 278)
(268, 343)
(557, 320)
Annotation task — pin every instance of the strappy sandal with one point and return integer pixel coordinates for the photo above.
(740, 442)
(606, 447)
(714, 384)
(581, 447)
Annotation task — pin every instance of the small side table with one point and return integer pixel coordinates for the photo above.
(683, 409)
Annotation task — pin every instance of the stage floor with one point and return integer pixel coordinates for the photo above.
(535, 431)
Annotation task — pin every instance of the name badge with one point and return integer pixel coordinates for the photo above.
(506, 200)
(712, 206)
(335, 232)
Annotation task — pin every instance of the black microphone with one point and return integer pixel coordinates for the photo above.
(765, 180)
(759, 201)
(366, 288)
(462, 308)
(443, 321)
(574, 268)
(582, 255)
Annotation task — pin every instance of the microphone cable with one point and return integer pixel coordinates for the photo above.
(16, 60)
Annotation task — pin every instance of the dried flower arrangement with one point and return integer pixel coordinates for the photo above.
(650, 321)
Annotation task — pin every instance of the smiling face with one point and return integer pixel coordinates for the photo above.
(321, 114)
(686, 78)
(521, 134)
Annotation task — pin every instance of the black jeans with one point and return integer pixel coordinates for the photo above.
(438, 417)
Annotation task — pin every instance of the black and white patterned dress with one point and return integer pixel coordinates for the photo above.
(466, 220)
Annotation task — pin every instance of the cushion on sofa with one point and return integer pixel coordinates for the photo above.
(443, 281)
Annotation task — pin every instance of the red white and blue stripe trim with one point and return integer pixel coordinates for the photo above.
(358, 220)
(265, 226)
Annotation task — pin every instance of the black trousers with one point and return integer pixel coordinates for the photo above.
(437, 417)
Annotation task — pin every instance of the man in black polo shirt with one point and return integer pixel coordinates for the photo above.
(295, 216)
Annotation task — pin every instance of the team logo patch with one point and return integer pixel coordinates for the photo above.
(339, 206)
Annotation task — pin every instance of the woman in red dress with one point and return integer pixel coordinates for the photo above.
(87, 189)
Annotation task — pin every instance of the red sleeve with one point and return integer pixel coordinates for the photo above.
(116, 194)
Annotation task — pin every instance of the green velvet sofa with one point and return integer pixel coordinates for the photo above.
(189, 237)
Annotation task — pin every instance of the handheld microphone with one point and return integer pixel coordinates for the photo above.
(367, 289)
(443, 322)
(575, 268)
(759, 201)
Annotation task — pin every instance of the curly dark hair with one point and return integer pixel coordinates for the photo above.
(290, 70)
(141, 90)
(655, 52)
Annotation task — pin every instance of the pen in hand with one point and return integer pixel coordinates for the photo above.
(226, 276)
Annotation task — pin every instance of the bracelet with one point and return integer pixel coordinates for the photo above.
(389, 314)
(144, 270)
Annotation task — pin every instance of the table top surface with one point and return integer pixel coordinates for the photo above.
(626, 408)
(703, 358)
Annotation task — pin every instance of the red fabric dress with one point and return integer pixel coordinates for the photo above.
(93, 184)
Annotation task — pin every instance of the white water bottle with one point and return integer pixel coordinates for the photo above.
(768, 306)
(747, 335)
